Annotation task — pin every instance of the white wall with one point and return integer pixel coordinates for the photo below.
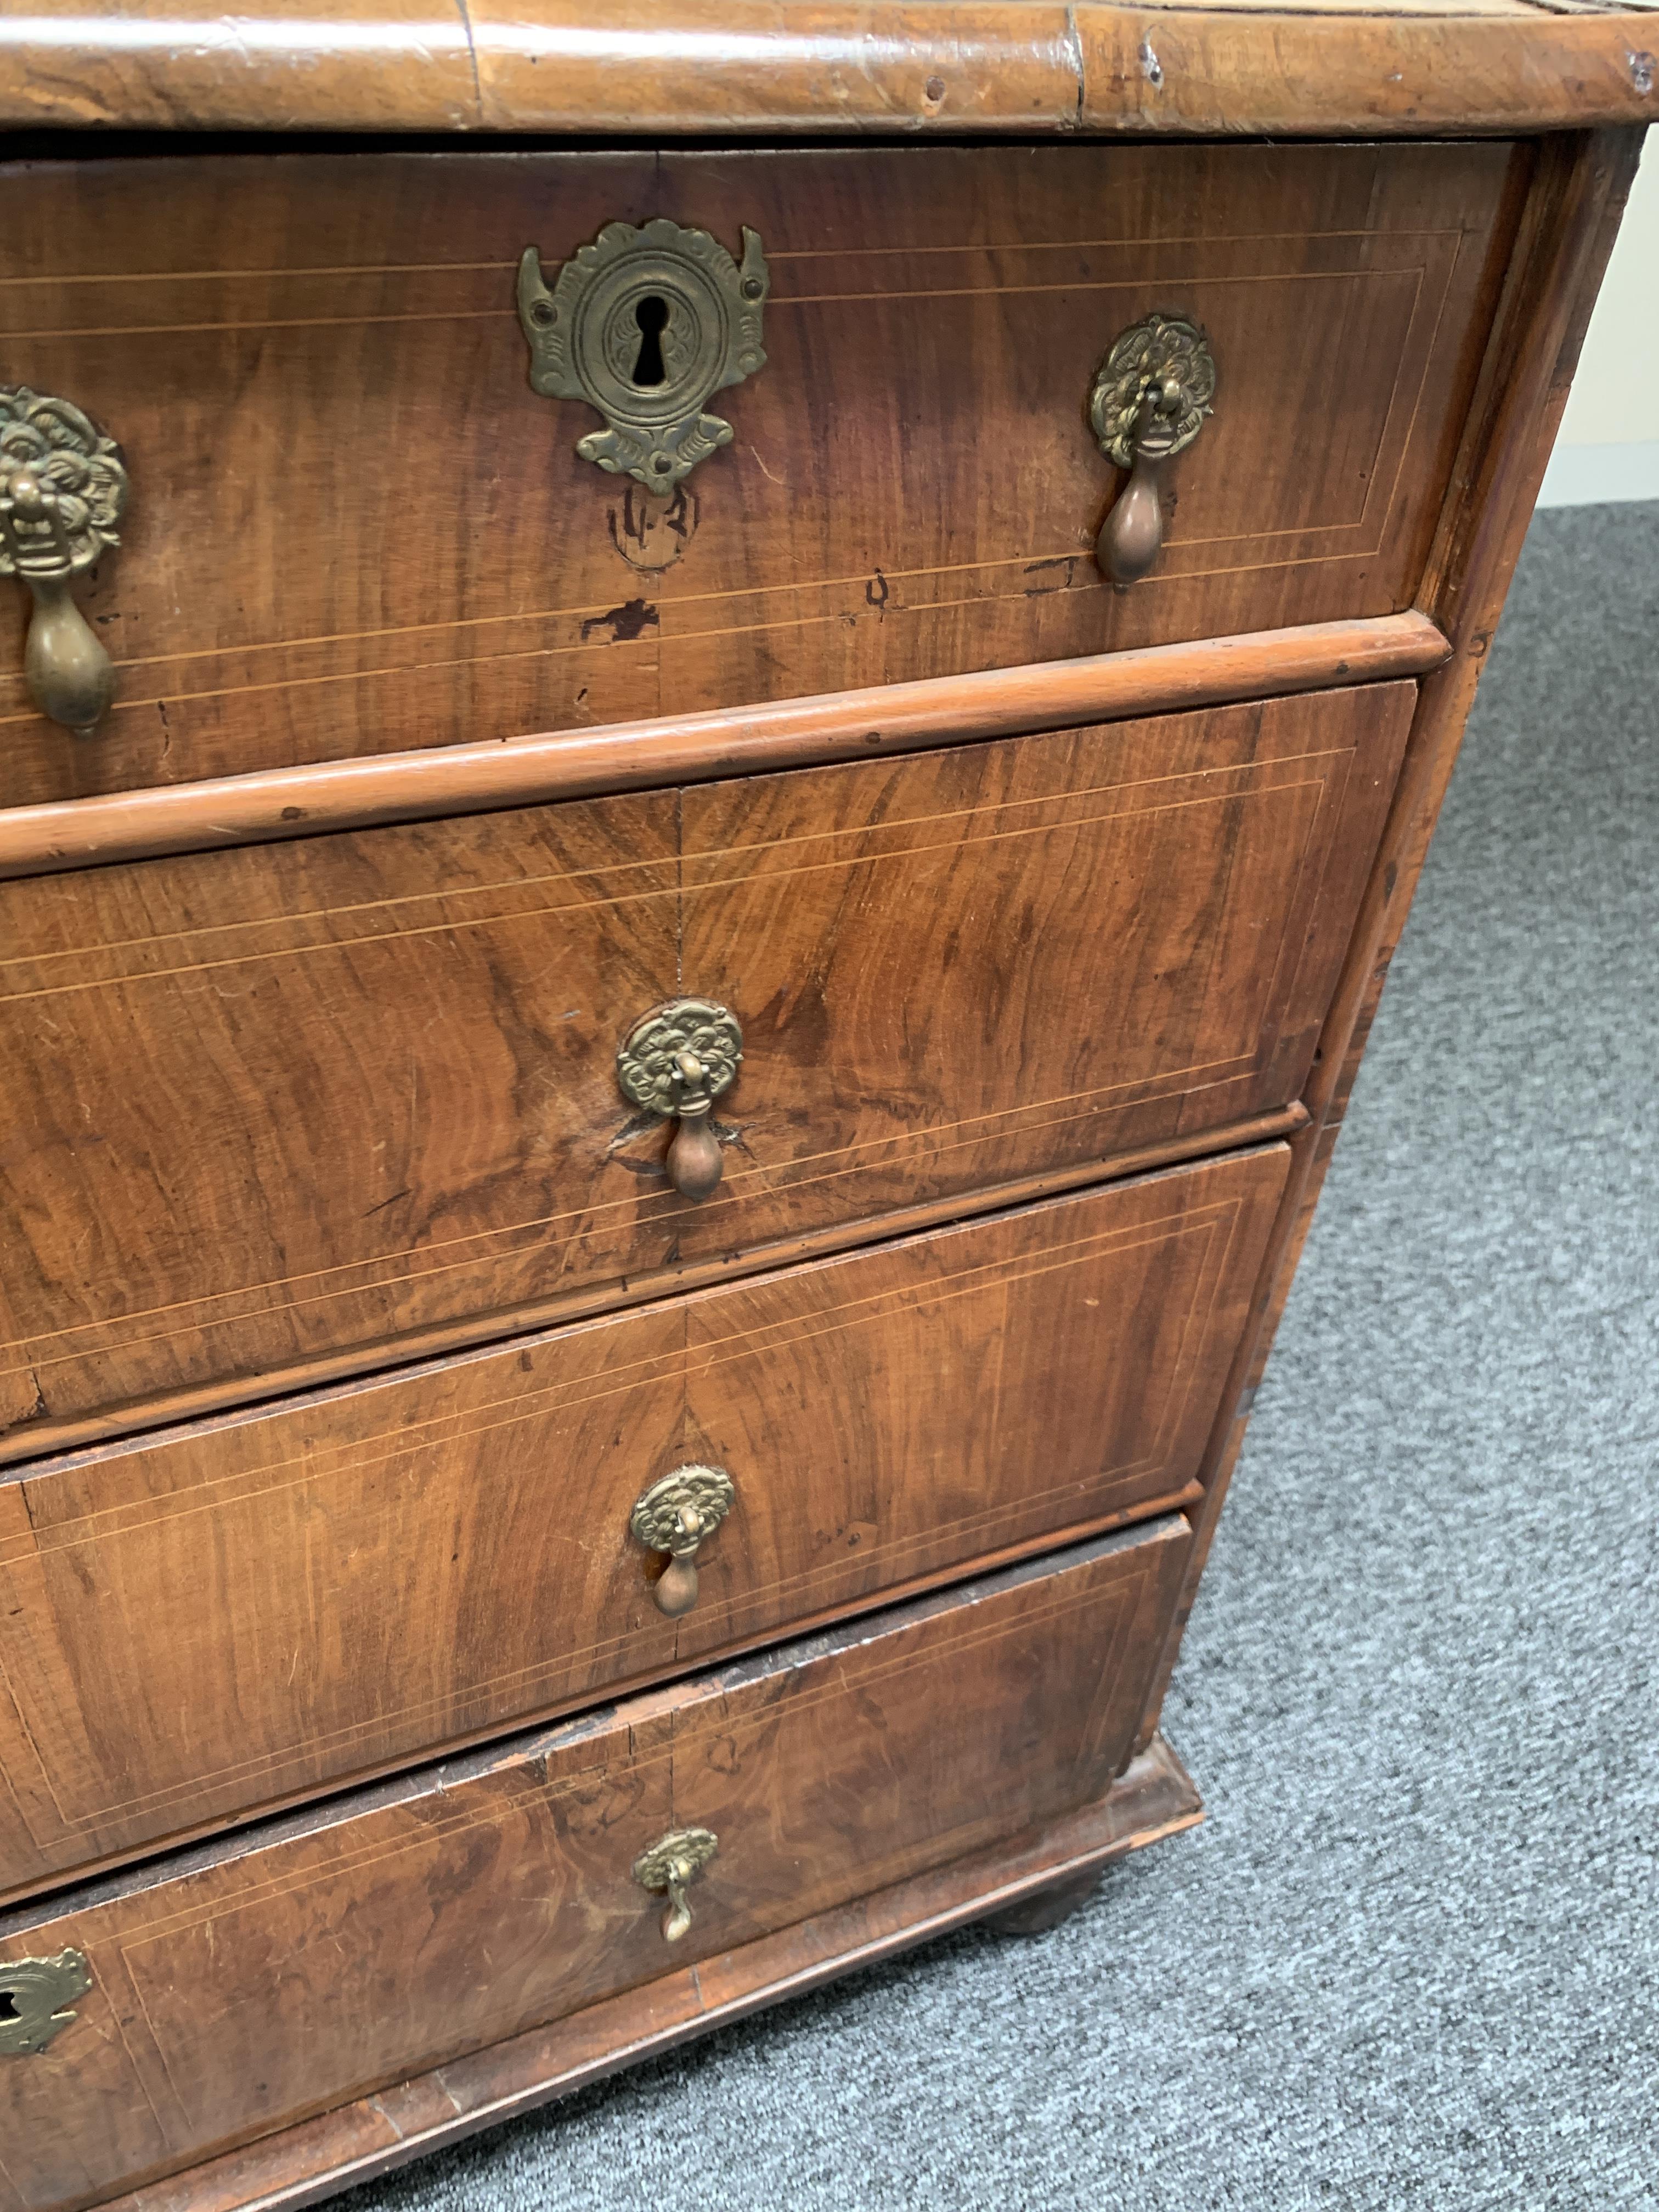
(1608, 447)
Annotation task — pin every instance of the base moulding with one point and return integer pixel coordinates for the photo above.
(1152, 1798)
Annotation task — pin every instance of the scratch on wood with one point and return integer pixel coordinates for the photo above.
(1073, 43)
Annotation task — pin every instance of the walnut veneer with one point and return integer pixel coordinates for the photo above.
(445, 1551)
(377, 1093)
(828, 1769)
(373, 1764)
(396, 541)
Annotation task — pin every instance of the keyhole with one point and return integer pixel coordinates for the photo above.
(8, 2006)
(652, 316)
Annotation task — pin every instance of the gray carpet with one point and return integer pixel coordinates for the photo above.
(1413, 1960)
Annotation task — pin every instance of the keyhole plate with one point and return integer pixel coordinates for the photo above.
(644, 324)
(35, 1998)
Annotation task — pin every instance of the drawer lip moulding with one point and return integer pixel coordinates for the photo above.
(705, 787)
(360, 521)
(238, 1988)
(379, 1102)
(333, 1586)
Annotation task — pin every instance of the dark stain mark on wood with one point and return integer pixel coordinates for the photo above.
(650, 532)
(625, 624)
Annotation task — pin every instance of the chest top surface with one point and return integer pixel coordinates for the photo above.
(725, 68)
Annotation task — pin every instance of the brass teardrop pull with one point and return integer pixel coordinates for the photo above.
(694, 1156)
(62, 490)
(670, 1867)
(676, 1061)
(674, 1515)
(1149, 402)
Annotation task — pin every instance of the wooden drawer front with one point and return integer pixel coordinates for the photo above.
(328, 1953)
(354, 528)
(275, 1103)
(341, 1583)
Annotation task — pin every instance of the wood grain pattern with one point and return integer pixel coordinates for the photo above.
(1571, 222)
(1386, 72)
(1152, 1799)
(682, 68)
(282, 1102)
(333, 1586)
(913, 489)
(317, 1959)
(466, 778)
(563, 1305)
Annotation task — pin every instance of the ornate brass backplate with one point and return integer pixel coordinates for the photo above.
(651, 1059)
(35, 1998)
(675, 1061)
(644, 324)
(62, 490)
(674, 1515)
(672, 1863)
(1164, 362)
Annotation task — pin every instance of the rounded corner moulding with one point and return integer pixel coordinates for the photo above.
(1002, 69)
(476, 778)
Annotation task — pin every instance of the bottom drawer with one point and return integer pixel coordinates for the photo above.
(237, 1988)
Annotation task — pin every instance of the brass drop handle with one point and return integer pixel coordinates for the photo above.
(1132, 536)
(694, 1156)
(674, 1062)
(1150, 401)
(668, 1868)
(674, 1515)
(62, 491)
(35, 1999)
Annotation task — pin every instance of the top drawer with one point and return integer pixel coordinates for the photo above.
(354, 527)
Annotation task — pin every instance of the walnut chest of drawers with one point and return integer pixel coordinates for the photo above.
(716, 724)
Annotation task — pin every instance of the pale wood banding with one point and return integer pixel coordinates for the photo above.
(570, 1306)
(1122, 1302)
(1151, 1799)
(471, 779)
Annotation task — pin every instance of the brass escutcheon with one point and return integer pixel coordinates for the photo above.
(676, 1061)
(62, 490)
(35, 1996)
(672, 1863)
(1150, 401)
(674, 1515)
(644, 324)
